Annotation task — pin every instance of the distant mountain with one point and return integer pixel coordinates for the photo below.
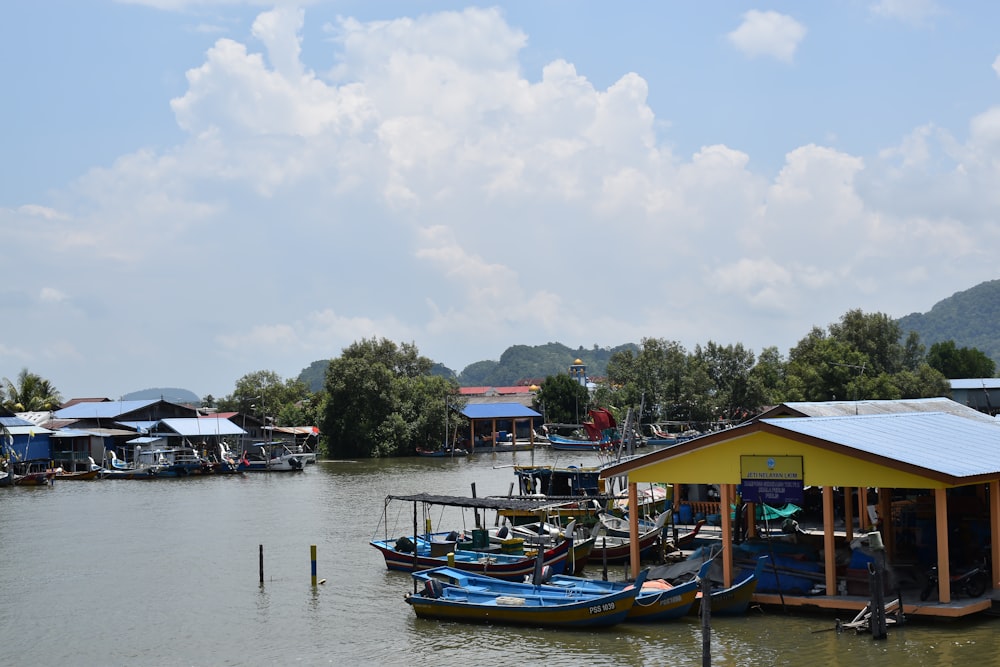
(171, 394)
(970, 318)
(519, 363)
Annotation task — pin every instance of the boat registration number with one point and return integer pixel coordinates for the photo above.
(601, 608)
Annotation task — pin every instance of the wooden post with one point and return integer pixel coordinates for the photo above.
(706, 622)
(944, 567)
(312, 559)
(829, 556)
(994, 503)
(260, 558)
(726, 493)
(848, 514)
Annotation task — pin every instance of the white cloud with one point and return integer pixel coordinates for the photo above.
(907, 11)
(423, 188)
(768, 34)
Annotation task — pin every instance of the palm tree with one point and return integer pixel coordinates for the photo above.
(31, 393)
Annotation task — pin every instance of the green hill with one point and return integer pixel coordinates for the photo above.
(519, 363)
(969, 318)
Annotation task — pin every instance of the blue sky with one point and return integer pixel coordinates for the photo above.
(192, 191)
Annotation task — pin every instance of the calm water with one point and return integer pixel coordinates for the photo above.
(166, 573)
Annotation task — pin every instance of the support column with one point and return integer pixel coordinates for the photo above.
(726, 493)
(994, 504)
(944, 567)
(885, 519)
(848, 513)
(829, 557)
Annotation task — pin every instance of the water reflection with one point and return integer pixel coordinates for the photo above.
(166, 573)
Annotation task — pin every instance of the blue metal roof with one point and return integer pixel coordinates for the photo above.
(934, 441)
(15, 421)
(102, 409)
(498, 411)
(195, 427)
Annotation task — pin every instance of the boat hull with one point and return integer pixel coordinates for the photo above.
(486, 600)
(501, 566)
(652, 604)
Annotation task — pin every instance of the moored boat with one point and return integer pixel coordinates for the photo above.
(454, 595)
(657, 600)
(271, 457)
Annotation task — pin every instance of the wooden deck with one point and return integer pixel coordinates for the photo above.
(852, 604)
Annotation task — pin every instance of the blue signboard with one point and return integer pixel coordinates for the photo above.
(774, 480)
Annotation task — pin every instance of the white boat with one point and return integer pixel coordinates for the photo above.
(271, 457)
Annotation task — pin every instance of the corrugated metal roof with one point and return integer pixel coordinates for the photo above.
(193, 426)
(498, 411)
(8, 422)
(976, 383)
(102, 409)
(854, 408)
(935, 441)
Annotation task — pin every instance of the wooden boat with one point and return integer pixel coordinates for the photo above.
(619, 527)
(454, 595)
(728, 601)
(399, 555)
(417, 551)
(579, 445)
(731, 601)
(61, 474)
(615, 549)
(656, 601)
(442, 452)
(543, 533)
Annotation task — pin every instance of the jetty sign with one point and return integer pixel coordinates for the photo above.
(772, 479)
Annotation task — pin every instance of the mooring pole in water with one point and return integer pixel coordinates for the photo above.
(261, 559)
(312, 557)
(706, 621)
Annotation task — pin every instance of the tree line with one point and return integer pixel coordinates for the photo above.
(380, 398)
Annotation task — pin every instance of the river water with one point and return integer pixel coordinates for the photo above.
(166, 572)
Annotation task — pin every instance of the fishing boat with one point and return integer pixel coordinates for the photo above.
(731, 600)
(417, 551)
(548, 535)
(442, 452)
(273, 456)
(454, 595)
(657, 600)
(612, 549)
(569, 444)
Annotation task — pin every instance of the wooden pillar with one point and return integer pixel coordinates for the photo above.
(885, 519)
(829, 557)
(726, 493)
(751, 519)
(848, 512)
(677, 499)
(994, 504)
(633, 527)
(944, 567)
(862, 510)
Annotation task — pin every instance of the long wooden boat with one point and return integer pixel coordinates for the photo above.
(579, 445)
(727, 601)
(731, 601)
(615, 549)
(417, 551)
(399, 555)
(656, 601)
(454, 595)
(543, 533)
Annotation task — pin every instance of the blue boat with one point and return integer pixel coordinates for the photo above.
(656, 601)
(454, 595)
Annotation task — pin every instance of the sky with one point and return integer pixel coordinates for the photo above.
(195, 190)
